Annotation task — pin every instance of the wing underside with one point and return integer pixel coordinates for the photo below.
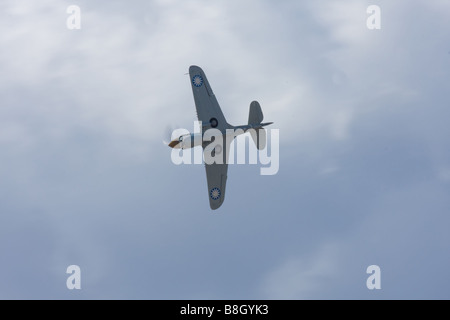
(206, 103)
(211, 116)
(216, 176)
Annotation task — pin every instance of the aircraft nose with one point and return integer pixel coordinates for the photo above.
(174, 143)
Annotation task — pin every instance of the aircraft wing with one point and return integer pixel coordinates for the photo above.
(208, 109)
(216, 176)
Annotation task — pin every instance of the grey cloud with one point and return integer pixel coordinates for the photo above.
(85, 179)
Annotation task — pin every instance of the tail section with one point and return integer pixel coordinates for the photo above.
(255, 119)
(255, 116)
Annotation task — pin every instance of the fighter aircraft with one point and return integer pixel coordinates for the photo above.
(211, 116)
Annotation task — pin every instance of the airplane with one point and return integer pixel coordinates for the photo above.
(211, 116)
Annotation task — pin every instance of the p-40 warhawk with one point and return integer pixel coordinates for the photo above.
(211, 117)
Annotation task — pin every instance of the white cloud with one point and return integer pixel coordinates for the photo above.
(124, 73)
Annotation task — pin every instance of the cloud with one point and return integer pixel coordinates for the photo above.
(300, 278)
(363, 164)
(444, 174)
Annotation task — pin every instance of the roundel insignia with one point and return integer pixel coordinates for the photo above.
(214, 193)
(197, 80)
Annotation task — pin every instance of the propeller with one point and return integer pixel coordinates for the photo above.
(167, 138)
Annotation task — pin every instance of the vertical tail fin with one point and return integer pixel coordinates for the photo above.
(255, 118)
(255, 115)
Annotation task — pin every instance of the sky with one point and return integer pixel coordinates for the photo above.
(364, 174)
